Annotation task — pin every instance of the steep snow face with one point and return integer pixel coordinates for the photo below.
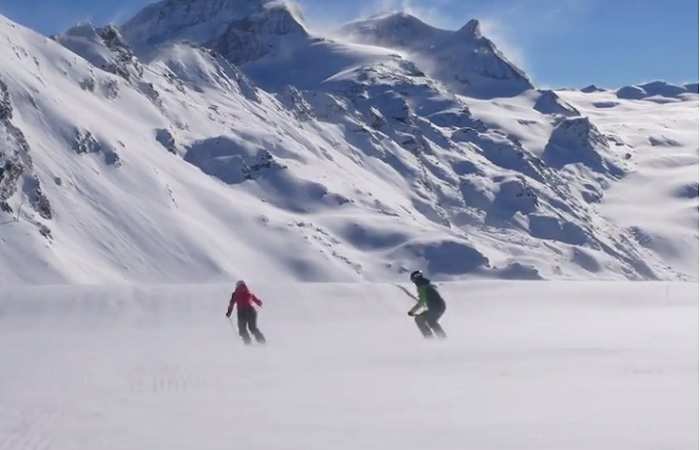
(17, 175)
(102, 47)
(270, 32)
(465, 60)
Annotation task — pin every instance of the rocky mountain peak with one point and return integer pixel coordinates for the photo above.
(472, 29)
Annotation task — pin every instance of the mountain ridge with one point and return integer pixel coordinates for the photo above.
(465, 60)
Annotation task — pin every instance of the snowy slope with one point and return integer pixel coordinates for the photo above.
(146, 213)
(132, 155)
(575, 365)
(658, 201)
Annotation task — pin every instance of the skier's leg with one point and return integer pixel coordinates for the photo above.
(438, 330)
(422, 324)
(242, 325)
(432, 318)
(253, 325)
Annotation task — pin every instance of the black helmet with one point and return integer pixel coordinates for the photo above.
(416, 275)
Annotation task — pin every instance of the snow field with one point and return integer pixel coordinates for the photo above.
(527, 365)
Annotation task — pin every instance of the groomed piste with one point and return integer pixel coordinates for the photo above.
(527, 365)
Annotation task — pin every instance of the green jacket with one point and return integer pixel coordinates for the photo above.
(429, 297)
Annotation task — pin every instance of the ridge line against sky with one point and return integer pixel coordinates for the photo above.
(559, 43)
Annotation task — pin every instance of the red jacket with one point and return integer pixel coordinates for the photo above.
(243, 298)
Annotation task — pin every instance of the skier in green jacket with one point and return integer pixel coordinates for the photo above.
(430, 307)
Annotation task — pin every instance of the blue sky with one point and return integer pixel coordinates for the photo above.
(558, 42)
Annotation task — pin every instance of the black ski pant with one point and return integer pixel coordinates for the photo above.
(428, 323)
(248, 320)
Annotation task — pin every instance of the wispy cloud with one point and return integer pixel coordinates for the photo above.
(436, 14)
(499, 33)
(126, 11)
(441, 13)
(497, 24)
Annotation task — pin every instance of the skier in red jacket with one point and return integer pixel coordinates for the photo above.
(247, 315)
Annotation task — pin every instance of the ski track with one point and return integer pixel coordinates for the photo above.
(25, 429)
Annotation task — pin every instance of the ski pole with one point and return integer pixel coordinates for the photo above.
(406, 291)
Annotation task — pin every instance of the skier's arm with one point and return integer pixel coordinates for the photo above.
(257, 301)
(230, 305)
(422, 302)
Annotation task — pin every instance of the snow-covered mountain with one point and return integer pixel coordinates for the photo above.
(466, 61)
(265, 37)
(193, 20)
(207, 139)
